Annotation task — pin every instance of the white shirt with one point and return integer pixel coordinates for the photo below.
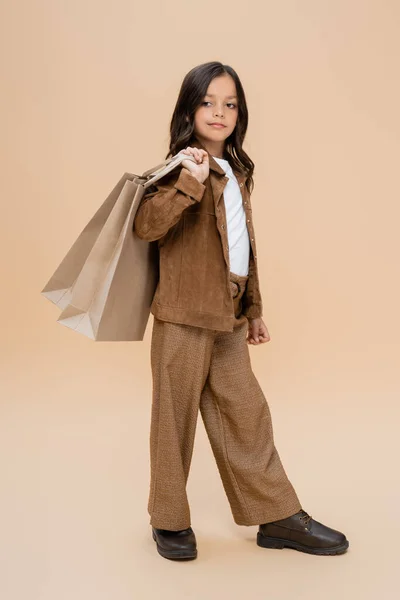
(238, 236)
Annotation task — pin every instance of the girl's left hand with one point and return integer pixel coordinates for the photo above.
(257, 332)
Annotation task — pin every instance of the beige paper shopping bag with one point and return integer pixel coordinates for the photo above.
(106, 282)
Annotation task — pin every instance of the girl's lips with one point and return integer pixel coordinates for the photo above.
(217, 125)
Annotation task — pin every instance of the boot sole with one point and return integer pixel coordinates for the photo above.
(175, 554)
(280, 543)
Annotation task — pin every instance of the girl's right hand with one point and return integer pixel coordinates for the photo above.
(199, 169)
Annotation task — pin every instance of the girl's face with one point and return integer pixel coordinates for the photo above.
(219, 105)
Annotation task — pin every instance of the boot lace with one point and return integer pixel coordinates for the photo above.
(305, 517)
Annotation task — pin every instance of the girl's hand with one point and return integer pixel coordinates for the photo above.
(257, 332)
(201, 168)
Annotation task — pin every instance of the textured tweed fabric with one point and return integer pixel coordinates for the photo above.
(208, 371)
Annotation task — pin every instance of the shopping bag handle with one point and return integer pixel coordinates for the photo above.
(165, 167)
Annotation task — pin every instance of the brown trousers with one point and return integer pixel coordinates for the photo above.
(196, 368)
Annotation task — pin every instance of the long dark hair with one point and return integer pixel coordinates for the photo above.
(193, 89)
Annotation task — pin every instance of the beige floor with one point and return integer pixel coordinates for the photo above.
(74, 482)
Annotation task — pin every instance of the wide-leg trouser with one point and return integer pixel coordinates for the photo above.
(202, 369)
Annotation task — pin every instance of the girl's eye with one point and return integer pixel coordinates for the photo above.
(229, 103)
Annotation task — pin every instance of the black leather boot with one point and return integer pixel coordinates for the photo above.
(176, 545)
(301, 532)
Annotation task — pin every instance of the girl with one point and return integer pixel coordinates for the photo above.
(207, 308)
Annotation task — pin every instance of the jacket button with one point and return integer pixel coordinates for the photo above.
(252, 239)
(248, 220)
(223, 226)
(245, 201)
(241, 184)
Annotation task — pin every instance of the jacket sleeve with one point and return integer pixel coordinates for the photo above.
(252, 304)
(161, 209)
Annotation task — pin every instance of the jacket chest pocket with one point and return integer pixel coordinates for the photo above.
(195, 236)
(172, 234)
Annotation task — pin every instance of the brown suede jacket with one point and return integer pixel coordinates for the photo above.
(188, 219)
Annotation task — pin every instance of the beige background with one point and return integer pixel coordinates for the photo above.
(88, 91)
